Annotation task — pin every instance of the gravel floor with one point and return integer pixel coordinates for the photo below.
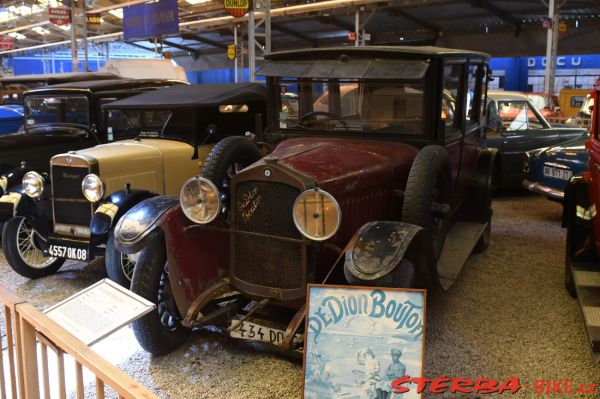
(507, 315)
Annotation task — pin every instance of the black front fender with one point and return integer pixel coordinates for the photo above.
(378, 248)
(11, 178)
(140, 224)
(111, 210)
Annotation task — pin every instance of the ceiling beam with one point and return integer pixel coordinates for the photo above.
(415, 20)
(139, 46)
(202, 39)
(295, 33)
(180, 47)
(494, 10)
(337, 22)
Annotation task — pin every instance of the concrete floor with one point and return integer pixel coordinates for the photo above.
(507, 315)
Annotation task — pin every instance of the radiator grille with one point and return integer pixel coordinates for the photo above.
(69, 205)
(266, 208)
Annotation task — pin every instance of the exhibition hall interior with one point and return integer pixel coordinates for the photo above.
(299, 199)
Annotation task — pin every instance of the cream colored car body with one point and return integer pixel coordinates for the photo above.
(160, 166)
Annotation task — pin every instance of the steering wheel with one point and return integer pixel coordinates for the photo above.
(314, 114)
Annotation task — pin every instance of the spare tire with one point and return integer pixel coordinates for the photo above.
(228, 157)
(428, 193)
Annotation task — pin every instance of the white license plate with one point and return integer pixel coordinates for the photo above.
(63, 251)
(556, 173)
(256, 332)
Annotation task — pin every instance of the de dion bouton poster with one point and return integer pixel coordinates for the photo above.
(360, 339)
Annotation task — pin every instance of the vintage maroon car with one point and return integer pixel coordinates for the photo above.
(580, 217)
(376, 177)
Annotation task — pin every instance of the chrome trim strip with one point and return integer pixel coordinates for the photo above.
(544, 190)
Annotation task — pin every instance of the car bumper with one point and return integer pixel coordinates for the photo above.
(550, 192)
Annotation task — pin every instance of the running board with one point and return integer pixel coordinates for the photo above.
(459, 244)
(587, 284)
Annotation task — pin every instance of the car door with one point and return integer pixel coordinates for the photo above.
(522, 130)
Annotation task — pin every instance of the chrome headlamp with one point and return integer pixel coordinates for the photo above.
(200, 200)
(33, 184)
(92, 187)
(317, 215)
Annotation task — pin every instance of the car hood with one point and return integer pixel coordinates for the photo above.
(341, 165)
(139, 162)
(21, 139)
(566, 154)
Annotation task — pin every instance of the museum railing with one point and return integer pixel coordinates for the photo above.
(33, 364)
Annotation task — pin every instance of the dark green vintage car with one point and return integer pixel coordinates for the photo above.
(515, 127)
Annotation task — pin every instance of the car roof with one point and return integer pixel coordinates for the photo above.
(194, 96)
(106, 85)
(372, 51)
(56, 78)
(500, 95)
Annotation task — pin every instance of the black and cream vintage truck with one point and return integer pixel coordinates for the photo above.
(70, 212)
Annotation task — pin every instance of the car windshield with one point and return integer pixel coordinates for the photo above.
(517, 115)
(538, 101)
(43, 110)
(351, 105)
(151, 123)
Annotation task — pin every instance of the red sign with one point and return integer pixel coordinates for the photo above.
(7, 42)
(59, 16)
(237, 8)
(351, 36)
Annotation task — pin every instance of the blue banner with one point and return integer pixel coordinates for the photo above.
(150, 19)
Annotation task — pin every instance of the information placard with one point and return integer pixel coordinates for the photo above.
(99, 310)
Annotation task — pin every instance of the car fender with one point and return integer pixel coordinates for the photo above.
(110, 210)
(11, 179)
(140, 223)
(39, 211)
(377, 248)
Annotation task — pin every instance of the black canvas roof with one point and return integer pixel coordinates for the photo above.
(57, 78)
(193, 96)
(106, 85)
(373, 51)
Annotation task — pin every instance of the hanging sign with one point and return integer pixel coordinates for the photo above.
(231, 51)
(237, 8)
(360, 342)
(150, 19)
(547, 23)
(7, 42)
(93, 19)
(59, 16)
(562, 27)
(351, 36)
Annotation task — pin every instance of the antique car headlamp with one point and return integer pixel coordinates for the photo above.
(92, 187)
(33, 184)
(200, 200)
(317, 214)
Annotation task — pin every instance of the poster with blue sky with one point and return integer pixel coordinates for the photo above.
(359, 340)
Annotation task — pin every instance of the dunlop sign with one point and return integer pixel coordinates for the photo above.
(237, 8)
(150, 19)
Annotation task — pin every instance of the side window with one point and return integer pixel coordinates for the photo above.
(473, 92)
(534, 120)
(101, 115)
(453, 78)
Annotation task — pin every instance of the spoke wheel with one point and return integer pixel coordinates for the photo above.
(28, 248)
(21, 247)
(128, 265)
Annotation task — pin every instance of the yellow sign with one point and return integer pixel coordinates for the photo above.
(231, 51)
(562, 26)
(93, 19)
(237, 8)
